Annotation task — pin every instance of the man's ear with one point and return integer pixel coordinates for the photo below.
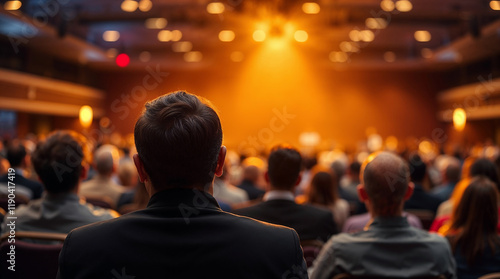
(363, 196)
(220, 161)
(299, 179)
(266, 176)
(84, 171)
(143, 176)
(409, 191)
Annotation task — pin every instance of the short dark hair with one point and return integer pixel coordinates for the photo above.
(16, 153)
(178, 138)
(59, 160)
(284, 165)
(486, 168)
(418, 169)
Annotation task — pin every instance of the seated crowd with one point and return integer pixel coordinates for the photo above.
(191, 208)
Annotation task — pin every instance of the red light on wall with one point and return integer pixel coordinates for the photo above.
(122, 60)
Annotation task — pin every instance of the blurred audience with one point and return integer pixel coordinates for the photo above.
(102, 186)
(388, 245)
(420, 200)
(279, 207)
(61, 164)
(227, 193)
(251, 177)
(450, 176)
(19, 160)
(473, 232)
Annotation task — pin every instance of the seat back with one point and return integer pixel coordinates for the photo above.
(426, 217)
(311, 249)
(30, 260)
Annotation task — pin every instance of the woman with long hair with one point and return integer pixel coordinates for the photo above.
(473, 232)
(323, 191)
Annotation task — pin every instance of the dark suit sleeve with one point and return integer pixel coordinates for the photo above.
(324, 265)
(329, 227)
(62, 270)
(299, 267)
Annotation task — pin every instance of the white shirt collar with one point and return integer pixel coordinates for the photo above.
(278, 195)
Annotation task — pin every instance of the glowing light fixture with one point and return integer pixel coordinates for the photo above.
(237, 56)
(354, 35)
(389, 56)
(387, 5)
(182, 46)
(122, 60)
(338, 56)
(366, 35)
(391, 143)
(86, 115)
(129, 6)
(404, 5)
(215, 8)
(226, 35)
(193, 56)
(156, 23)
(494, 5)
(164, 35)
(349, 47)
(111, 36)
(311, 8)
(12, 5)
(145, 5)
(459, 119)
(176, 35)
(259, 35)
(422, 36)
(300, 36)
(376, 23)
(426, 53)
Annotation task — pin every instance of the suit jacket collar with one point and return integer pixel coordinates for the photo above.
(183, 196)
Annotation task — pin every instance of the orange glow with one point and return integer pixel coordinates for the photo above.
(226, 35)
(459, 119)
(259, 35)
(300, 36)
(86, 115)
(129, 6)
(495, 5)
(12, 5)
(311, 8)
(422, 35)
(387, 5)
(215, 8)
(404, 6)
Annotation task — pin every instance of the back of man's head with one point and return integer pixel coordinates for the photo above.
(418, 169)
(284, 166)
(386, 180)
(452, 173)
(178, 138)
(59, 161)
(106, 159)
(16, 152)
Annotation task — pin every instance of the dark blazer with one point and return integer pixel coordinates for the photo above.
(309, 221)
(182, 234)
(35, 187)
(422, 200)
(252, 190)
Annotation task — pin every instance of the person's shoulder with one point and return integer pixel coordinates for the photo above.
(254, 223)
(315, 210)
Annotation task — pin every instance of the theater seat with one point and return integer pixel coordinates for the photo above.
(311, 250)
(31, 260)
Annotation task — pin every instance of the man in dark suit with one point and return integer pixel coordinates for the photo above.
(420, 199)
(182, 233)
(19, 160)
(279, 207)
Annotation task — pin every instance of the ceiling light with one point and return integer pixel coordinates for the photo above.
(226, 35)
(176, 35)
(459, 119)
(86, 115)
(145, 56)
(182, 46)
(12, 5)
(349, 47)
(164, 35)
(389, 56)
(122, 60)
(215, 8)
(354, 35)
(155, 23)
(129, 6)
(404, 5)
(259, 35)
(422, 36)
(426, 53)
(376, 23)
(111, 36)
(193, 56)
(338, 56)
(366, 36)
(145, 5)
(300, 36)
(387, 5)
(237, 56)
(311, 8)
(494, 5)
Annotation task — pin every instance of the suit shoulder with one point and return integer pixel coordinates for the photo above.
(255, 224)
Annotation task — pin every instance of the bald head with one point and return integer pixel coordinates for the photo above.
(386, 178)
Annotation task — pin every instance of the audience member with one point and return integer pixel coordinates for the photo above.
(420, 198)
(389, 246)
(323, 192)
(351, 183)
(61, 164)
(358, 222)
(251, 175)
(102, 185)
(19, 160)
(127, 174)
(227, 193)
(473, 234)
(279, 207)
(450, 177)
(182, 233)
